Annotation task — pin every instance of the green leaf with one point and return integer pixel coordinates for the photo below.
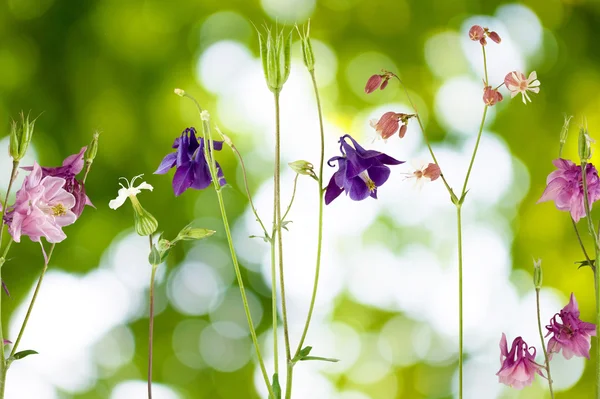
(285, 223)
(323, 359)
(189, 233)
(583, 263)
(304, 352)
(265, 239)
(22, 354)
(276, 386)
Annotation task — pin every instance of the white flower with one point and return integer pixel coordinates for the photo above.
(128, 192)
(516, 83)
(204, 115)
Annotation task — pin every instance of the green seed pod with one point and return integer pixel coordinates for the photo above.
(537, 274)
(275, 53)
(92, 149)
(585, 148)
(145, 223)
(20, 137)
(307, 52)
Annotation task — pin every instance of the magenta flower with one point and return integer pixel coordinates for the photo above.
(565, 187)
(573, 336)
(42, 208)
(518, 367)
(71, 167)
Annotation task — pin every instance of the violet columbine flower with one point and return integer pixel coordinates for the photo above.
(42, 208)
(516, 83)
(360, 171)
(71, 166)
(192, 168)
(565, 187)
(518, 367)
(573, 336)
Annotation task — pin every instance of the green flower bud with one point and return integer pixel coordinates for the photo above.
(92, 150)
(145, 223)
(20, 137)
(275, 53)
(537, 273)
(303, 168)
(191, 233)
(585, 148)
(154, 258)
(307, 52)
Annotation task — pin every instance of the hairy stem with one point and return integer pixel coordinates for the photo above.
(320, 226)
(539, 320)
(460, 301)
(151, 323)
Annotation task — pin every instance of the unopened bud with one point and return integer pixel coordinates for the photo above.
(20, 137)
(537, 273)
(190, 233)
(495, 37)
(307, 52)
(92, 150)
(275, 53)
(585, 148)
(303, 168)
(179, 92)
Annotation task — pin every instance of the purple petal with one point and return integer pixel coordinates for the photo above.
(166, 164)
(202, 178)
(183, 178)
(333, 191)
(358, 189)
(379, 174)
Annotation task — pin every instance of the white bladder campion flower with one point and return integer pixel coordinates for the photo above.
(145, 223)
(516, 83)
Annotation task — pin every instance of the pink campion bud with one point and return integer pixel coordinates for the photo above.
(432, 172)
(516, 83)
(483, 41)
(476, 33)
(385, 83)
(387, 125)
(402, 131)
(491, 96)
(495, 37)
(373, 83)
(518, 366)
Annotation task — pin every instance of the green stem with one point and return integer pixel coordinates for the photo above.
(31, 304)
(485, 66)
(539, 320)
(587, 257)
(289, 208)
(3, 364)
(278, 220)
(320, 226)
(464, 189)
(460, 302)
(13, 176)
(594, 234)
(213, 172)
(151, 324)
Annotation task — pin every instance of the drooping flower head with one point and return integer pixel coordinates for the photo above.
(424, 171)
(478, 34)
(71, 167)
(192, 168)
(390, 123)
(360, 172)
(571, 334)
(516, 83)
(491, 96)
(379, 81)
(517, 367)
(42, 208)
(145, 223)
(565, 187)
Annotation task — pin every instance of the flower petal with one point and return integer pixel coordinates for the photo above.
(120, 200)
(166, 164)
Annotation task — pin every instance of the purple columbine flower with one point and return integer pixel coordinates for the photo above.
(192, 169)
(572, 335)
(518, 367)
(565, 187)
(71, 167)
(360, 172)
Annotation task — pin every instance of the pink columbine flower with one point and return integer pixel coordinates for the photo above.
(518, 367)
(491, 96)
(390, 123)
(516, 83)
(42, 208)
(565, 187)
(573, 336)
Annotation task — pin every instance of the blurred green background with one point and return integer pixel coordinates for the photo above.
(111, 66)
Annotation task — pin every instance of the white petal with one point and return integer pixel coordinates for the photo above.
(120, 200)
(532, 77)
(534, 89)
(144, 186)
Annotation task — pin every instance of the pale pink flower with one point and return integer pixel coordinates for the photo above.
(424, 172)
(565, 187)
(491, 96)
(390, 123)
(373, 83)
(518, 367)
(516, 83)
(42, 208)
(476, 33)
(573, 336)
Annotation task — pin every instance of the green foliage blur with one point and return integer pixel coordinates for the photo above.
(111, 66)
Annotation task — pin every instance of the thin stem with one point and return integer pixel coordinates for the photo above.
(30, 308)
(13, 176)
(587, 257)
(291, 199)
(485, 66)
(594, 234)
(320, 226)
(464, 189)
(213, 172)
(460, 302)
(151, 324)
(278, 220)
(539, 320)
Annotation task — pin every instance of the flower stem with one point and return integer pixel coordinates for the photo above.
(320, 226)
(151, 323)
(539, 320)
(594, 234)
(460, 301)
(213, 172)
(31, 304)
(278, 221)
(587, 257)
(13, 176)
(485, 66)
(289, 208)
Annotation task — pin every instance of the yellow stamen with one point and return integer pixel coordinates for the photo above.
(59, 210)
(371, 185)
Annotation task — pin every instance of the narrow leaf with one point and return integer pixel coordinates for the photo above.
(22, 354)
